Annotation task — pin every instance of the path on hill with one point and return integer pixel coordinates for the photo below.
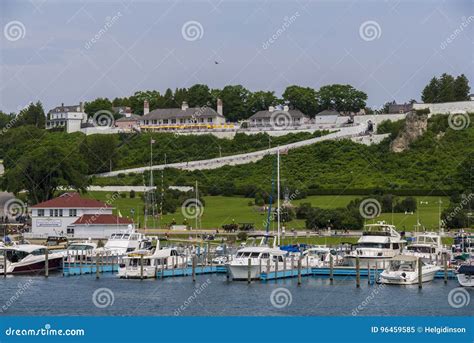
(353, 132)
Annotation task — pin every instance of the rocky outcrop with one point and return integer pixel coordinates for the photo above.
(415, 126)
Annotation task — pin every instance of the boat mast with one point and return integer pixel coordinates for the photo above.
(196, 205)
(278, 194)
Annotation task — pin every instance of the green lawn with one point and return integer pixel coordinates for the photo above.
(221, 210)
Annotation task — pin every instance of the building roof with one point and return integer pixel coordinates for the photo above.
(132, 117)
(71, 200)
(328, 113)
(102, 219)
(72, 108)
(266, 114)
(172, 113)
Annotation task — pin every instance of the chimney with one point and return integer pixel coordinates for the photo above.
(81, 107)
(220, 107)
(286, 108)
(271, 109)
(146, 107)
(184, 106)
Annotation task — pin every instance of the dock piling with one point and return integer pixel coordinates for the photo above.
(357, 272)
(249, 271)
(46, 263)
(420, 274)
(331, 268)
(97, 266)
(299, 271)
(276, 270)
(445, 266)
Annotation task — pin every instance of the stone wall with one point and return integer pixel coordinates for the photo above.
(447, 107)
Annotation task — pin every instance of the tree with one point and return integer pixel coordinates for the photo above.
(302, 98)
(168, 99)
(99, 152)
(199, 95)
(99, 104)
(342, 98)
(235, 102)
(430, 93)
(461, 88)
(32, 115)
(43, 169)
(446, 88)
(260, 101)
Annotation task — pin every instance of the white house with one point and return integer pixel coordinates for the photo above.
(70, 117)
(77, 217)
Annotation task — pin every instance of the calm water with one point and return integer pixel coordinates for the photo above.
(212, 295)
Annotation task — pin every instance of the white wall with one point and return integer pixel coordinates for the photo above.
(447, 107)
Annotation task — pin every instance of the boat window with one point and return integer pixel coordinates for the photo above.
(374, 245)
(245, 254)
(254, 255)
(265, 255)
(174, 253)
(239, 254)
(126, 236)
(14, 255)
(419, 249)
(396, 246)
(37, 252)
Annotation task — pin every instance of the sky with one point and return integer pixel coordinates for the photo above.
(71, 51)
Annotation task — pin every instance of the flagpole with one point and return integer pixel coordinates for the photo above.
(278, 193)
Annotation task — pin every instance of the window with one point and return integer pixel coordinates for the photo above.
(40, 213)
(173, 121)
(56, 212)
(181, 121)
(70, 231)
(154, 122)
(72, 213)
(165, 121)
(209, 120)
(51, 213)
(60, 212)
(201, 120)
(37, 252)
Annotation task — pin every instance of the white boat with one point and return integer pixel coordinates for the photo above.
(121, 243)
(28, 258)
(378, 244)
(160, 259)
(465, 275)
(83, 251)
(265, 253)
(320, 256)
(404, 270)
(429, 247)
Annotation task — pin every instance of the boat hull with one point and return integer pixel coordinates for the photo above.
(365, 262)
(465, 280)
(54, 263)
(241, 272)
(410, 278)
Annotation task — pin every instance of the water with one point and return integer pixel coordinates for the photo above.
(212, 295)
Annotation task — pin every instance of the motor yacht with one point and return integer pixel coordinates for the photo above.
(404, 270)
(28, 258)
(121, 243)
(429, 247)
(379, 243)
(320, 256)
(160, 259)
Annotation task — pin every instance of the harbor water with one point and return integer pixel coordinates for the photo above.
(213, 295)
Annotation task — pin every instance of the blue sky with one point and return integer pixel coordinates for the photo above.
(143, 47)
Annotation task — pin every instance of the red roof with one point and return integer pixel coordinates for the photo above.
(102, 219)
(71, 200)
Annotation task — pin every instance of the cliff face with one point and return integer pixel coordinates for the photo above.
(415, 126)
